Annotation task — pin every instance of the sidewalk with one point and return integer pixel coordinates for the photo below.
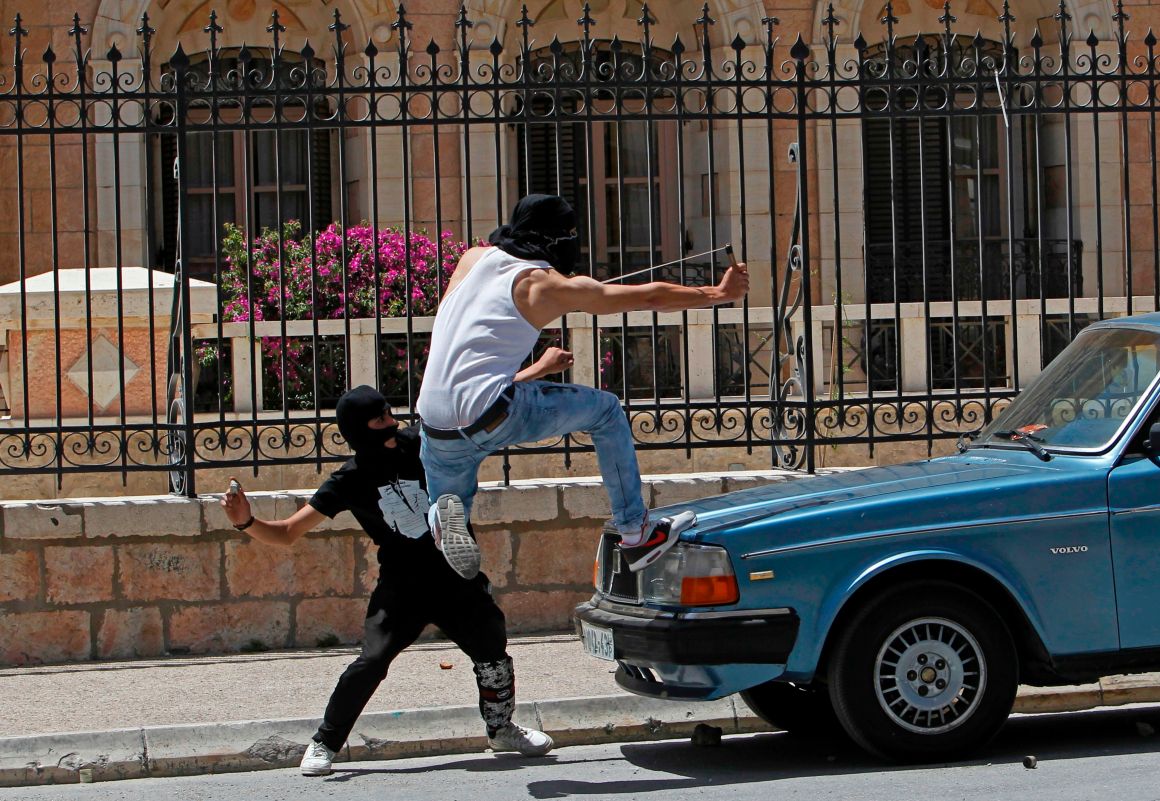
(186, 715)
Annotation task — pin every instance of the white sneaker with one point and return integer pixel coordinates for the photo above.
(317, 760)
(458, 546)
(528, 742)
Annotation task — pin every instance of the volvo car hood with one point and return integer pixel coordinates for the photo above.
(962, 488)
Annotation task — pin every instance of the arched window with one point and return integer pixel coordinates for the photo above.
(246, 178)
(917, 166)
(619, 169)
(632, 208)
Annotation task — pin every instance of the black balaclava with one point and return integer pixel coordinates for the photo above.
(543, 228)
(355, 409)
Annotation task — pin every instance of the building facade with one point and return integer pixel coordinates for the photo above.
(932, 198)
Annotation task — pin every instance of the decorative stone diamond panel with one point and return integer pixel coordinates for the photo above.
(107, 360)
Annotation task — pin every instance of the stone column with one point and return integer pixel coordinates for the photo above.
(121, 170)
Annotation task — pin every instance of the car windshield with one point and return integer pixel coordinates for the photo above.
(1084, 396)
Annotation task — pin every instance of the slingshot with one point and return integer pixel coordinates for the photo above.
(727, 248)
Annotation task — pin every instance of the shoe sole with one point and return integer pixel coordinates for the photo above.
(653, 555)
(459, 548)
(531, 753)
(317, 771)
(677, 524)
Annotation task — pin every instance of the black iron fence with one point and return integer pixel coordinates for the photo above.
(208, 247)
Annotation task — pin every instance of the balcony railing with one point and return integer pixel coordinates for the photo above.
(911, 272)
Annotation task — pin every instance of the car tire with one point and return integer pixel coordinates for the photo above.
(803, 711)
(923, 673)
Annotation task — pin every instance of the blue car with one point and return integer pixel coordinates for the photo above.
(904, 605)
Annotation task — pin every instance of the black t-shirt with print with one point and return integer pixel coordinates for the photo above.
(387, 495)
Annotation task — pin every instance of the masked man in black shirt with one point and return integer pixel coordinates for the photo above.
(384, 487)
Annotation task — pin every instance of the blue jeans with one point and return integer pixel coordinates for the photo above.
(542, 410)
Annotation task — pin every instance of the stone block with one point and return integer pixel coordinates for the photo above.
(265, 506)
(157, 571)
(892, 453)
(516, 504)
(343, 521)
(143, 517)
(749, 480)
(40, 485)
(19, 576)
(1057, 699)
(318, 619)
(847, 455)
(1138, 689)
(77, 575)
(671, 491)
(130, 633)
(660, 462)
(556, 557)
(540, 611)
(313, 566)
(496, 547)
(42, 521)
(586, 501)
(32, 637)
(230, 627)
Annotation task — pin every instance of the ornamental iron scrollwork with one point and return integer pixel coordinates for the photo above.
(722, 95)
(790, 425)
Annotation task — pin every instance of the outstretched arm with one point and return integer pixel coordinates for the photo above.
(272, 532)
(544, 295)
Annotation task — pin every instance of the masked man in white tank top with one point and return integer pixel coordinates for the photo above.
(475, 400)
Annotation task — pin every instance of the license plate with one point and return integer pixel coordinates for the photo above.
(598, 641)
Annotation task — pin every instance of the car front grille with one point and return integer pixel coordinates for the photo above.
(616, 582)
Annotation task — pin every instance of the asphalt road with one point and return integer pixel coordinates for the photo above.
(1108, 754)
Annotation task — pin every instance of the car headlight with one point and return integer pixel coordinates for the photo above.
(690, 575)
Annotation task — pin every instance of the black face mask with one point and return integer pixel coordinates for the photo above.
(542, 228)
(564, 253)
(355, 409)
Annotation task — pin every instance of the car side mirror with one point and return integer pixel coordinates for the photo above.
(1152, 443)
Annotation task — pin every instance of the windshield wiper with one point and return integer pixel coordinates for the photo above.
(1030, 440)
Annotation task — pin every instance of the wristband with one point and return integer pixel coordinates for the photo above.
(246, 525)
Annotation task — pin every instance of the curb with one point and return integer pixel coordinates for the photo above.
(164, 751)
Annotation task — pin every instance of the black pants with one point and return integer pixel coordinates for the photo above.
(399, 610)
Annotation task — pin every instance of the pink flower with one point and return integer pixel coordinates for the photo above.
(293, 275)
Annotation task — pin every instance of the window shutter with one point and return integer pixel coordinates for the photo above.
(907, 207)
(539, 142)
(903, 191)
(322, 146)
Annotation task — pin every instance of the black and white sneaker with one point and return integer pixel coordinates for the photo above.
(664, 535)
(459, 548)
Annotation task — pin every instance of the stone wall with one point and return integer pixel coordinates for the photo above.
(113, 578)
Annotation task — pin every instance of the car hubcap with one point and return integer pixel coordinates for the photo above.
(930, 675)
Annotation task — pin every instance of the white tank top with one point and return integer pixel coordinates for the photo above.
(479, 341)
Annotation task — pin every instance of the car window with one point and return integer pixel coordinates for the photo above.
(1084, 396)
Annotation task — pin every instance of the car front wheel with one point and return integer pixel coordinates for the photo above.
(925, 672)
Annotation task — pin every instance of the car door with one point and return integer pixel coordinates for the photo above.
(1134, 504)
